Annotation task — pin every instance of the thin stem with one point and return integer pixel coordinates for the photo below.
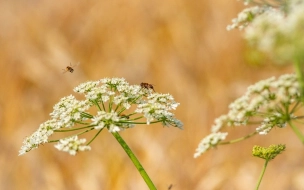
(75, 129)
(262, 174)
(239, 139)
(135, 161)
(82, 123)
(295, 107)
(51, 141)
(297, 131)
(95, 136)
(110, 103)
(103, 106)
(300, 74)
(87, 115)
(131, 102)
(118, 106)
(137, 118)
(130, 122)
(96, 103)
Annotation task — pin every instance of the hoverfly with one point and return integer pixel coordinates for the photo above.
(147, 86)
(70, 68)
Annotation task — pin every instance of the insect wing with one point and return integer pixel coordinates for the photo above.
(76, 64)
(65, 70)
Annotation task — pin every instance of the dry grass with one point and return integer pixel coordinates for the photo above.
(180, 46)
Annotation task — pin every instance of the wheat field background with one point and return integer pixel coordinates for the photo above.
(182, 47)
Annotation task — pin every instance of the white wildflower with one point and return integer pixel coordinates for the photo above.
(40, 136)
(265, 104)
(104, 119)
(86, 87)
(208, 142)
(68, 109)
(278, 31)
(115, 101)
(158, 107)
(72, 145)
(245, 17)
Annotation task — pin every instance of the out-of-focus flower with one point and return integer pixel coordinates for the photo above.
(269, 103)
(275, 29)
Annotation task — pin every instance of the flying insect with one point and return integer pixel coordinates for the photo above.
(70, 68)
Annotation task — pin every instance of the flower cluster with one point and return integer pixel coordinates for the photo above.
(275, 30)
(40, 136)
(269, 103)
(115, 101)
(268, 153)
(268, 99)
(157, 107)
(245, 17)
(208, 142)
(273, 3)
(68, 110)
(72, 145)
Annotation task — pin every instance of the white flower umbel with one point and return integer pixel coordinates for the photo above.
(68, 110)
(268, 98)
(115, 101)
(72, 145)
(274, 28)
(40, 136)
(157, 107)
(245, 17)
(208, 142)
(109, 120)
(267, 104)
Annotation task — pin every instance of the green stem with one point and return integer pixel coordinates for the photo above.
(74, 129)
(51, 141)
(131, 122)
(262, 174)
(297, 131)
(295, 107)
(95, 136)
(87, 115)
(134, 160)
(96, 103)
(300, 74)
(239, 139)
(131, 102)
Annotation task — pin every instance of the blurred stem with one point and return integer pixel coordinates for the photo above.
(299, 67)
(239, 139)
(297, 131)
(262, 174)
(135, 161)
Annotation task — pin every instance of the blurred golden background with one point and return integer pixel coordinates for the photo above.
(182, 47)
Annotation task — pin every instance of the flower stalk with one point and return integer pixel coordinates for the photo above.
(261, 175)
(299, 67)
(268, 153)
(119, 106)
(296, 131)
(135, 161)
